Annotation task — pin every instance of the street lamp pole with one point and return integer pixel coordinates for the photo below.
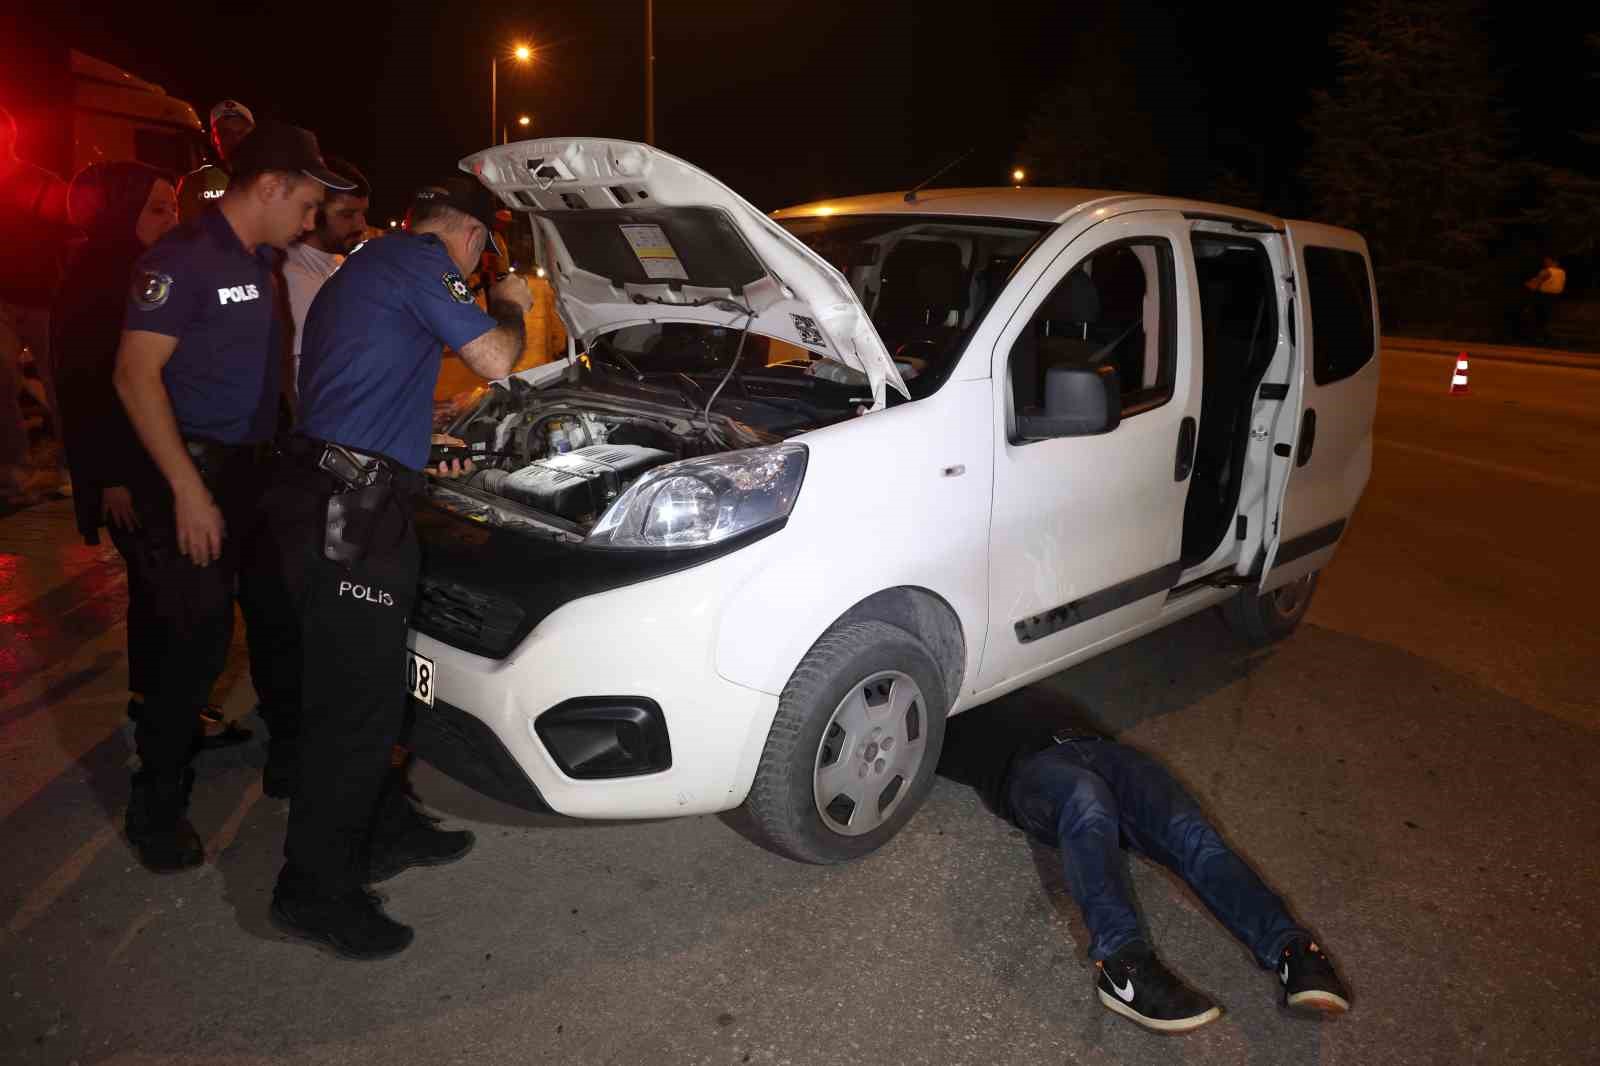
(649, 72)
(521, 54)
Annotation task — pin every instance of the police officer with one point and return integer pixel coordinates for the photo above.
(231, 123)
(199, 369)
(342, 516)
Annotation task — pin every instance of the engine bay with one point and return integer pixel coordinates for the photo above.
(568, 453)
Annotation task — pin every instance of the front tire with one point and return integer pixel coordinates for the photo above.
(1260, 619)
(853, 747)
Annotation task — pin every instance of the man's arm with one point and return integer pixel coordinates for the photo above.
(140, 359)
(493, 354)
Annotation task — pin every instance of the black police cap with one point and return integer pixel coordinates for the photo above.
(465, 194)
(280, 146)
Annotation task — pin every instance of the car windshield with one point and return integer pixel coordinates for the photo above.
(926, 282)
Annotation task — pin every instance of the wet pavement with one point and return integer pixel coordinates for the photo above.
(1417, 770)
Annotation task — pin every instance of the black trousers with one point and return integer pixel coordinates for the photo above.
(183, 614)
(353, 645)
(144, 631)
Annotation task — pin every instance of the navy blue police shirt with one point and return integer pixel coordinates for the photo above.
(369, 357)
(202, 286)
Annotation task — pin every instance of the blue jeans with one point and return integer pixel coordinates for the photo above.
(1087, 796)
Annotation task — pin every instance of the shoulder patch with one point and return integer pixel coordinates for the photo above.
(151, 289)
(457, 288)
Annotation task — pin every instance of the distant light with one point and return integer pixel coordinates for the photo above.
(523, 52)
(1018, 175)
(825, 210)
(524, 120)
(393, 223)
(539, 272)
(511, 270)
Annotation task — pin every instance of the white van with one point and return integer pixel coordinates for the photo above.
(811, 482)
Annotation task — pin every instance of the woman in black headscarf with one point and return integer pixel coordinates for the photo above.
(122, 208)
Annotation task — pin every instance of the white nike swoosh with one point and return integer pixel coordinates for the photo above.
(1124, 993)
(1283, 974)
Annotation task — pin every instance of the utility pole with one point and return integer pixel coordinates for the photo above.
(649, 72)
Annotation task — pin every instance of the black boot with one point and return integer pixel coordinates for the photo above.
(351, 924)
(406, 836)
(157, 826)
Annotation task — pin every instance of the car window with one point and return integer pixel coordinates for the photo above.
(1341, 313)
(926, 281)
(1115, 308)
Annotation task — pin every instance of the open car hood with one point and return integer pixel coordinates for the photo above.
(632, 235)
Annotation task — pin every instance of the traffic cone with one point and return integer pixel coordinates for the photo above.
(1458, 380)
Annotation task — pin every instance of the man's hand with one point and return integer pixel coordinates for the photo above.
(116, 508)
(200, 529)
(452, 467)
(511, 289)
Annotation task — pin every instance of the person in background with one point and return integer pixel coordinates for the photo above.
(122, 208)
(341, 226)
(34, 231)
(201, 188)
(1544, 289)
(1057, 778)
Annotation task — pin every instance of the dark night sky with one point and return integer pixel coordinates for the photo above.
(785, 101)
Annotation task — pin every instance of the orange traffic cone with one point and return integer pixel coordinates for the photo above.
(1458, 380)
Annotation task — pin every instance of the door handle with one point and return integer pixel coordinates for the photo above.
(1308, 437)
(1185, 463)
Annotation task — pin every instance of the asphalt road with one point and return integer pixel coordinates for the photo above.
(1415, 770)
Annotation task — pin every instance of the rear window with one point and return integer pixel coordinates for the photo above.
(1341, 313)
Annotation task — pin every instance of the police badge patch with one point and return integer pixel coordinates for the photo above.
(151, 289)
(457, 288)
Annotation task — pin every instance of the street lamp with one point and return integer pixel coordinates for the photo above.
(1017, 175)
(522, 54)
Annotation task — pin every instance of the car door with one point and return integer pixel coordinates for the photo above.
(1087, 531)
(1320, 471)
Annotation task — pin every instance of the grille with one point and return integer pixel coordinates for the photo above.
(467, 618)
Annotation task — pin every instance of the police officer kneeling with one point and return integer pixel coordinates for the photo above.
(342, 514)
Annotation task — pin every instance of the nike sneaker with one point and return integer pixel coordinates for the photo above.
(1136, 985)
(1309, 982)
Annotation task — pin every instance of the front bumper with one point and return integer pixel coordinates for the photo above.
(656, 640)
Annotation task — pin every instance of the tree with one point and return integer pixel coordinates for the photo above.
(1567, 207)
(1409, 148)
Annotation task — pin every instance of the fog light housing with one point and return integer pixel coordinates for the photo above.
(598, 737)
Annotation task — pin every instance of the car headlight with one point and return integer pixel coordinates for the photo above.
(703, 501)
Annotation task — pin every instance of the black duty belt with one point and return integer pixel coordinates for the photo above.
(352, 468)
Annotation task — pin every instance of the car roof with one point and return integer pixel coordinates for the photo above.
(1028, 203)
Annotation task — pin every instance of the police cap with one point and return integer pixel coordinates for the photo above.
(280, 146)
(465, 194)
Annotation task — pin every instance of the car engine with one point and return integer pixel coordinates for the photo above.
(569, 453)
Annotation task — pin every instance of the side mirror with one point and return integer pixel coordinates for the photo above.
(1079, 401)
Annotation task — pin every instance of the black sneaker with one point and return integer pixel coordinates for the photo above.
(156, 826)
(1136, 985)
(352, 925)
(217, 732)
(1309, 982)
(421, 844)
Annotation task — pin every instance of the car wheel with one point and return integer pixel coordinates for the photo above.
(1265, 618)
(853, 747)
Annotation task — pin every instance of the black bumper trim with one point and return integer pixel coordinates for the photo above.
(1310, 542)
(462, 747)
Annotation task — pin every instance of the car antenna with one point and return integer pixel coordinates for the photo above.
(911, 197)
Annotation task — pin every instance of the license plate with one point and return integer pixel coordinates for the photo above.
(419, 677)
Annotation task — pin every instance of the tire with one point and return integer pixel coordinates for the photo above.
(1260, 620)
(841, 772)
